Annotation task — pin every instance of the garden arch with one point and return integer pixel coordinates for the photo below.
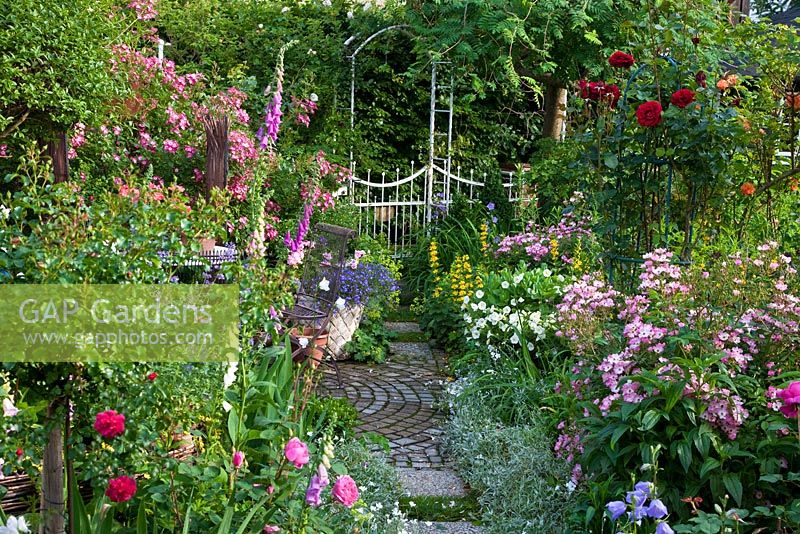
(394, 209)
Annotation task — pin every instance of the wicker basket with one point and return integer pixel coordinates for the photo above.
(343, 325)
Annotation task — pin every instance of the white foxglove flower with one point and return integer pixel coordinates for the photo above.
(9, 410)
(15, 525)
(230, 375)
(325, 284)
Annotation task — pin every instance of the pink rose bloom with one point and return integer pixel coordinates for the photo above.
(121, 489)
(791, 398)
(345, 491)
(238, 459)
(109, 424)
(296, 452)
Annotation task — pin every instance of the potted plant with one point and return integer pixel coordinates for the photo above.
(210, 217)
(312, 342)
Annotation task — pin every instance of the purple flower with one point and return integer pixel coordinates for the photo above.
(366, 281)
(314, 491)
(657, 510)
(663, 528)
(490, 206)
(644, 487)
(272, 121)
(617, 508)
(295, 244)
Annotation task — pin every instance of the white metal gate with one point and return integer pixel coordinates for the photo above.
(395, 208)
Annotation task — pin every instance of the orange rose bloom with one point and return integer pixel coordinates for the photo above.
(748, 189)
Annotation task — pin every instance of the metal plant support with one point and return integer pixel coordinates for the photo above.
(650, 165)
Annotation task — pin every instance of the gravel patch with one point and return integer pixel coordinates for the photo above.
(461, 527)
(431, 482)
(403, 327)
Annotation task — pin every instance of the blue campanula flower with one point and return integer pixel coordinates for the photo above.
(617, 508)
(657, 509)
(664, 528)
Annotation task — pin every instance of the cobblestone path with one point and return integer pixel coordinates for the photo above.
(397, 400)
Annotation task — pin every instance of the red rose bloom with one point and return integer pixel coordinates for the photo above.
(152, 376)
(611, 93)
(700, 78)
(682, 98)
(20, 452)
(109, 424)
(649, 114)
(121, 489)
(621, 60)
(583, 85)
(748, 189)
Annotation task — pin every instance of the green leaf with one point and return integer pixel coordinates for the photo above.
(685, 455)
(141, 519)
(618, 433)
(188, 519)
(611, 160)
(227, 519)
(709, 465)
(734, 486)
(234, 424)
(775, 477)
(650, 419)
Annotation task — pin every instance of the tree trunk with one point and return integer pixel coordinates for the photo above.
(555, 110)
(739, 9)
(52, 502)
(57, 151)
(216, 153)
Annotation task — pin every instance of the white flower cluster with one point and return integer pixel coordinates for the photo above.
(509, 313)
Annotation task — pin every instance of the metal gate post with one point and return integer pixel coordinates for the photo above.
(431, 149)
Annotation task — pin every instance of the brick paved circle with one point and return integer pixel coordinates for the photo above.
(396, 400)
